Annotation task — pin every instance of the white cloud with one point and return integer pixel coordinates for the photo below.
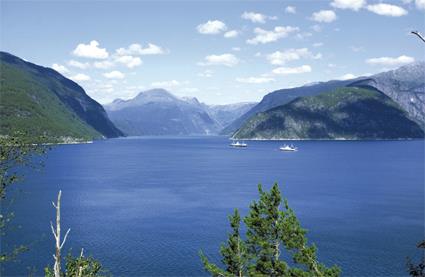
(212, 27)
(224, 59)
(91, 50)
(317, 44)
(420, 4)
(189, 90)
(292, 70)
(325, 16)
(387, 9)
(101, 87)
(347, 76)
(290, 9)
(255, 80)
(103, 64)
(264, 36)
(129, 61)
(207, 73)
(390, 62)
(282, 57)
(348, 4)
(257, 17)
(236, 49)
(60, 68)
(357, 48)
(114, 75)
(303, 35)
(167, 84)
(80, 77)
(78, 64)
(231, 34)
(137, 49)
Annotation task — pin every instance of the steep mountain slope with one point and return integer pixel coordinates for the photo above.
(226, 114)
(158, 112)
(39, 100)
(345, 113)
(281, 97)
(405, 85)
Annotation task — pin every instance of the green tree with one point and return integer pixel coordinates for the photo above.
(271, 229)
(234, 252)
(79, 267)
(417, 269)
(17, 151)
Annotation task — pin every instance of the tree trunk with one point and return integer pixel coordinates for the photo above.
(57, 235)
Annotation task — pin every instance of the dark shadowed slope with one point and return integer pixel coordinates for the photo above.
(283, 96)
(345, 113)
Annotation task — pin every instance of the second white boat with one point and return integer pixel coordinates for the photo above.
(288, 148)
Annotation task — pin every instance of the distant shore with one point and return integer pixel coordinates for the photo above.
(325, 139)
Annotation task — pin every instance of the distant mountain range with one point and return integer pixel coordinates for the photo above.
(344, 113)
(158, 112)
(41, 101)
(226, 114)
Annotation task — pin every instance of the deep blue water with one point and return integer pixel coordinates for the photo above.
(146, 206)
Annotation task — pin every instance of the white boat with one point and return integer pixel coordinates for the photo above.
(289, 148)
(238, 144)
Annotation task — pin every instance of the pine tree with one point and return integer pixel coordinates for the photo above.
(270, 230)
(265, 224)
(234, 253)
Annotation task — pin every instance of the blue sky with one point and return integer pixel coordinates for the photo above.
(218, 51)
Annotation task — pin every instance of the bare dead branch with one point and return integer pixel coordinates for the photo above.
(418, 35)
(64, 238)
(57, 235)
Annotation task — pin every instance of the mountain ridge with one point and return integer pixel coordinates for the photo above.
(41, 100)
(282, 96)
(344, 113)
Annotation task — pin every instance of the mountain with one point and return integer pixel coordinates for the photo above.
(173, 115)
(226, 114)
(283, 96)
(39, 100)
(158, 112)
(405, 85)
(344, 113)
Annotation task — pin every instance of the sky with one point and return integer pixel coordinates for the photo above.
(218, 51)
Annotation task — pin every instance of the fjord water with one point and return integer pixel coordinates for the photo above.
(146, 206)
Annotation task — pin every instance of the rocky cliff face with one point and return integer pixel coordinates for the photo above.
(405, 85)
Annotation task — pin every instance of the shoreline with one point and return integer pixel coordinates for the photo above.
(68, 142)
(326, 139)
